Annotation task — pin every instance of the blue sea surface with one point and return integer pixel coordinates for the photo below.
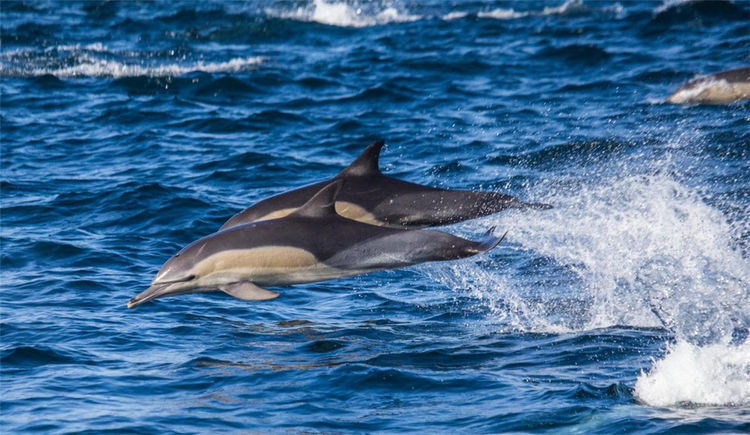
(130, 129)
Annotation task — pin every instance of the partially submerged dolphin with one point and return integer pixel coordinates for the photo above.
(311, 244)
(369, 196)
(720, 88)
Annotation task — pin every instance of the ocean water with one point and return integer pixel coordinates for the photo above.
(129, 129)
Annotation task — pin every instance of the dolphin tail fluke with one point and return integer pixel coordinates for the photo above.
(489, 241)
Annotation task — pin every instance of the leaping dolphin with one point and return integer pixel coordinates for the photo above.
(311, 244)
(369, 196)
(720, 88)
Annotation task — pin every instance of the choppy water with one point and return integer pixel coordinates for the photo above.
(130, 129)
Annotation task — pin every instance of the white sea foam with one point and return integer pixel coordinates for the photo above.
(455, 15)
(366, 14)
(85, 65)
(31, 51)
(347, 15)
(689, 375)
(666, 4)
(502, 14)
(569, 7)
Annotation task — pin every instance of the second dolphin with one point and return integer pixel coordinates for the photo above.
(369, 196)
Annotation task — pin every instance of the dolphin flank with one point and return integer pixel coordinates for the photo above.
(313, 243)
(720, 88)
(369, 196)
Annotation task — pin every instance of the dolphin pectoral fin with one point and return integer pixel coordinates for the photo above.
(489, 241)
(248, 291)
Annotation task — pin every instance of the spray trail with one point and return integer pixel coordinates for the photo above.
(641, 250)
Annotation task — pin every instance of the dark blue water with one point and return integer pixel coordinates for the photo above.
(131, 129)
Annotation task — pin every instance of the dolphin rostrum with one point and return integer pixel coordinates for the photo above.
(311, 244)
(720, 88)
(369, 196)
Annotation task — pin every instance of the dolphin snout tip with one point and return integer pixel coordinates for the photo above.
(152, 292)
(134, 302)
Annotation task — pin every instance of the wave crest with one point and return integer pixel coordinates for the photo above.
(691, 375)
(343, 14)
(96, 60)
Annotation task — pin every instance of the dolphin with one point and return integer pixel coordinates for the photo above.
(720, 88)
(313, 243)
(369, 196)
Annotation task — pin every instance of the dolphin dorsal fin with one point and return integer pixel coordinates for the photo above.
(367, 162)
(322, 203)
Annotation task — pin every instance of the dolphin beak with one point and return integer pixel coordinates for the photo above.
(152, 292)
(163, 288)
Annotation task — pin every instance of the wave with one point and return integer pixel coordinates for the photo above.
(455, 15)
(587, 54)
(35, 356)
(346, 15)
(699, 13)
(97, 60)
(578, 8)
(679, 10)
(249, 23)
(227, 84)
(569, 8)
(362, 14)
(502, 14)
(86, 65)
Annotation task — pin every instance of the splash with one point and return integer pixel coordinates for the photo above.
(641, 250)
(343, 14)
(690, 375)
(495, 293)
